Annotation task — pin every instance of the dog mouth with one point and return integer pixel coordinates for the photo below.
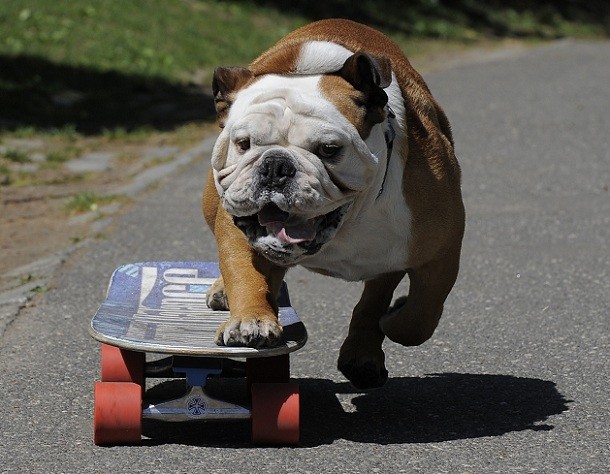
(284, 232)
(289, 229)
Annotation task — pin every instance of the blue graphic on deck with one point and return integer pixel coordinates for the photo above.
(154, 288)
(153, 281)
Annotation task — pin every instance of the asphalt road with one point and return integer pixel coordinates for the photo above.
(514, 380)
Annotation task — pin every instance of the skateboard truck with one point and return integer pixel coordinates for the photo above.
(196, 404)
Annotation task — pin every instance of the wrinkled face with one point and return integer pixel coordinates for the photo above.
(288, 166)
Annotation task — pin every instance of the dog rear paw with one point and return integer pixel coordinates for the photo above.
(364, 375)
(249, 332)
(364, 369)
(216, 298)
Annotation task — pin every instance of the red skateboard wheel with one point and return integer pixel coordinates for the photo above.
(122, 365)
(274, 369)
(276, 413)
(117, 413)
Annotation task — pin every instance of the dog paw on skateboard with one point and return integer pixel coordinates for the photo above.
(254, 332)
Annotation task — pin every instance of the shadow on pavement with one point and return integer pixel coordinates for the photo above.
(434, 408)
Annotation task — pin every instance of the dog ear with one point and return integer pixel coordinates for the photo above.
(370, 75)
(227, 81)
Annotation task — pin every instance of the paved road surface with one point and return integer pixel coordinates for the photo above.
(515, 379)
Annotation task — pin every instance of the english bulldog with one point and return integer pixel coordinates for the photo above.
(333, 155)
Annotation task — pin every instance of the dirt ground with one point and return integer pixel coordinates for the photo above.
(52, 197)
(33, 226)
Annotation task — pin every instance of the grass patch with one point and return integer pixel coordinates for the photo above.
(145, 37)
(87, 201)
(20, 179)
(123, 66)
(66, 132)
(58, 157)
(23, 132)
(5, 176)
(122, 133)
(16, 156)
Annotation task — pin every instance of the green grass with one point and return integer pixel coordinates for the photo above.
(87, 201)
(122, 65)
(16, 156)
(58, 157)
(5, 176)
(121, 133)
(162, 38)
(62, 155)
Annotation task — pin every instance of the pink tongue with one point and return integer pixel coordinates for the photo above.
(279, 223)
(293, 234)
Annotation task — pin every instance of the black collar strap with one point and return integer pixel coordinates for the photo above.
(390, 134)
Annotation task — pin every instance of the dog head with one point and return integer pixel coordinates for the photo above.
(297, 151)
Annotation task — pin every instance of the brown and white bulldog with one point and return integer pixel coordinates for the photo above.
(334, 155)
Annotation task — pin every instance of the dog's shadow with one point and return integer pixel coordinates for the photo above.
(434, 408)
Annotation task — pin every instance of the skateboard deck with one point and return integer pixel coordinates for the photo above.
(160, 307)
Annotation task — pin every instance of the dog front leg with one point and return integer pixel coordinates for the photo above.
(251, 287)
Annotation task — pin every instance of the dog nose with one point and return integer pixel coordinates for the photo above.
(276, 171)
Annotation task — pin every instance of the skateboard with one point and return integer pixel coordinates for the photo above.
(155, 323)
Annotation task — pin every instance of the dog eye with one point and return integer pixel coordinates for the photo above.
(243, 144)
(328, 150)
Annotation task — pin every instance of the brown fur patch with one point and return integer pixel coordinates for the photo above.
(277, 60)
(349, 101)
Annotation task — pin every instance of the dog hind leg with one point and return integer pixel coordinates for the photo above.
(413, 320)
(361, 358)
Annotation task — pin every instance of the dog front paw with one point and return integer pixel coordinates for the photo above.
(250, 332)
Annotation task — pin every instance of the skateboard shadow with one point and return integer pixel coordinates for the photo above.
(433, 408)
